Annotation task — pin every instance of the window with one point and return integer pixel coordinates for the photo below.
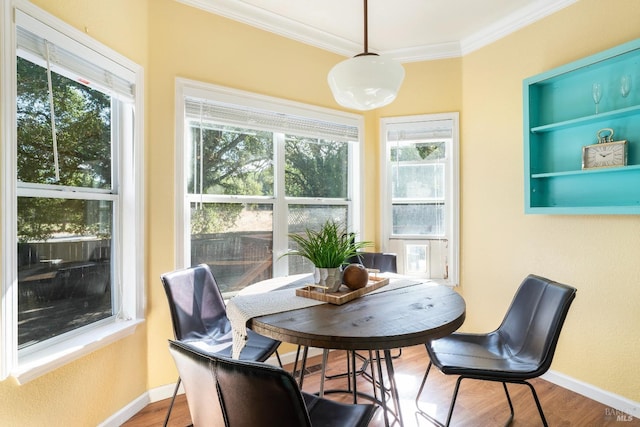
(72, 161)
(420, 182)
(255, 169)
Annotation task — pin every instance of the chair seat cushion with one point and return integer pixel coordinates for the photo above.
(324, 412)
(480, 356)
(258, 347)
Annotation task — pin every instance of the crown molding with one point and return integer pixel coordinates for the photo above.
(280, 25)
(277, 24)
(512, 23)
(425, 53)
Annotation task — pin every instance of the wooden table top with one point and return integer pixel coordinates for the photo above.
(381, 321)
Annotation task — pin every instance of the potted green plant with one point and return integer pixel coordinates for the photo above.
(328, 250)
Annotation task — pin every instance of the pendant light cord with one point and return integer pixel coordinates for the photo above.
(366, 32)
(366, 27)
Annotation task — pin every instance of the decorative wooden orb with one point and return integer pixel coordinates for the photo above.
(355, 276)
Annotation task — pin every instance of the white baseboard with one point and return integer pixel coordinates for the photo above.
(127, 412)
(611, 400)
(616, 402)
(291, 356)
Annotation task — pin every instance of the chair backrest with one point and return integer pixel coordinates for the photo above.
(385, 262)
(195, 302)
(532, 324)
(199, 384)
(245, 393)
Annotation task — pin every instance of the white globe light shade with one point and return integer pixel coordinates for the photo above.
(366, 81)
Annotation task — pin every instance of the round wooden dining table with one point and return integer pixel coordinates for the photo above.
(378, 322)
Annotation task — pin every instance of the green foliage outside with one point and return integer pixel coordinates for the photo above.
(227, 160)
(419, 152)
(237, 161)
(83, 131)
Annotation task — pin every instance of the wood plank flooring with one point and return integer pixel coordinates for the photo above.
(479, 403)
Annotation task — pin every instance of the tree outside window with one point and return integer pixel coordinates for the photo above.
(64, 240)
(235, 195)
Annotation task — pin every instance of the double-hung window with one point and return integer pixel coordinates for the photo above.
(255, 169)
(420, 194)
(72, 213)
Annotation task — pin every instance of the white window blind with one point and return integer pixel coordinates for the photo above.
(209, 111)
(416, 131)
(84, 65)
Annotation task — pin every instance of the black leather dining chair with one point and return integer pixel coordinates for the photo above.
(199, 318)
(383, 261)
(234, 393)
(520, 349)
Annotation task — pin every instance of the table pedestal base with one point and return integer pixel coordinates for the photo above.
(387, 395)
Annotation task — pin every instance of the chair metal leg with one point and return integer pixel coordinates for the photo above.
(420, 411)
(535, 397)
(303, 367)
(295, 372)
(424, 380)
(506, 391)
(295, 362)
(173, 399)
(453, 400)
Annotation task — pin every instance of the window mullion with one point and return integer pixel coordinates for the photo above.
(280, 209)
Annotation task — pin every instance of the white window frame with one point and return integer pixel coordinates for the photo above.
(189, 88)
(397, 243)
(25, 365)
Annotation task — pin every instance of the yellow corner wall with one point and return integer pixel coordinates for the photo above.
(500, 245)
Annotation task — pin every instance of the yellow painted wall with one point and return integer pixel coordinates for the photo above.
(500, 245)
(92, 388)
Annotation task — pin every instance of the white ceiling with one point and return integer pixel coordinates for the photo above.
(407, 30)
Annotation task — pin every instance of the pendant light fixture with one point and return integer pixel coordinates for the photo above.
(367, 80)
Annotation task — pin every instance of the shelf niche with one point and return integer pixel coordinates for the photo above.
(560, 118)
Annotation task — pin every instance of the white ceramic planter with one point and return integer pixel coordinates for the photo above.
(329, 277)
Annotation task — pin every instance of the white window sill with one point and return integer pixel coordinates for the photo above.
(34, 365)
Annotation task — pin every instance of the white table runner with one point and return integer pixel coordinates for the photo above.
(242, 308)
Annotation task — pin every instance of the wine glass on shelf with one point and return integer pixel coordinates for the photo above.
(625, 85)
(596, 91)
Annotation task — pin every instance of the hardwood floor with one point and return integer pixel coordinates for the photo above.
(479, 403)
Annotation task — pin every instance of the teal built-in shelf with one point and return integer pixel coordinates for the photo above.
(619, 170)
(560, 117)
(609, 115)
